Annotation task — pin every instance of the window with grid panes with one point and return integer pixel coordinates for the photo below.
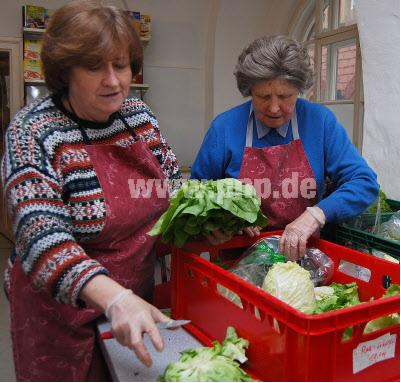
(330, 32)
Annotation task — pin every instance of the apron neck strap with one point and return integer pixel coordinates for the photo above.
(251, 119)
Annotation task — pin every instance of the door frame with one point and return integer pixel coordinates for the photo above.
(13, 45)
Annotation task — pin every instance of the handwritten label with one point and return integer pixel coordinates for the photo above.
(374, 351)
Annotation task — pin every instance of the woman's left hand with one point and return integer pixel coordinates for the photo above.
(250, 231)
(218, 237)
(296, 234)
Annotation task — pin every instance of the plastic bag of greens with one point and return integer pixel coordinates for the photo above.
(251, 272)
(391, 228)
(383, 255)
(255, 262)
(263, 252)
(319, 265)
(369, 221)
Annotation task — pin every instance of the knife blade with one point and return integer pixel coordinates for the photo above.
(160, 326)
(172, 323)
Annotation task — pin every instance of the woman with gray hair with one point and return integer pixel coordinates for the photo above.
(286, 146)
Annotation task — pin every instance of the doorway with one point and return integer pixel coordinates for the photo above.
(11, 100)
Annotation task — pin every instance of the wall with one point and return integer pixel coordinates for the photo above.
(239, 22)
(345, 114)
(175, 63)
(190, 59)
(379, 31)
(175, 67)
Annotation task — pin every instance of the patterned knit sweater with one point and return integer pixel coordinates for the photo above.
(53, 193)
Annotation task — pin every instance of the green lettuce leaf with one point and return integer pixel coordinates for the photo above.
(211, 364)
(199, 208)
(338, 297)
(388, 320)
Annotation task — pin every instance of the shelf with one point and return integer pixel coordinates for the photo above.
(139, 86)
(34, 30)
(34, 82)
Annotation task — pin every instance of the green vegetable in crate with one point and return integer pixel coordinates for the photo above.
(382, 200)
(387, 320)
(211, 364)
(292, 284)
(336, 296)
(199, 208)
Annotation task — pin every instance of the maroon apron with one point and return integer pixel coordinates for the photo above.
(53, 341)
(282, 176)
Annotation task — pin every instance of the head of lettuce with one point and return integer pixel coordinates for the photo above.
(220, 363)
(199, 208)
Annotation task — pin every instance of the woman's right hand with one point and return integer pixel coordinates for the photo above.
(130, 318)
(130, 315)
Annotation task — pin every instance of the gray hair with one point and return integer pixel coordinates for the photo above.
(273, 57)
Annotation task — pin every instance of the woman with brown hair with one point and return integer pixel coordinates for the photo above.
(82, 247)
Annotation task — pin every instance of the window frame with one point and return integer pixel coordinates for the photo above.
(308, 16)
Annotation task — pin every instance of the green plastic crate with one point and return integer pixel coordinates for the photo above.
(394, 205)
(365, 221)
(359, 239)
(365, 242)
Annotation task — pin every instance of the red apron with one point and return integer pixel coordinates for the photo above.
(281, 175)
(53, 341)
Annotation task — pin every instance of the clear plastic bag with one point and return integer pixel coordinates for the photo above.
(383, 255)
(319, 265)
(251, 272)
(263, 252)
(255, 262)
(370, 221)
(390, 229)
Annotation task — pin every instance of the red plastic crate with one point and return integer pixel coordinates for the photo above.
(285, 344)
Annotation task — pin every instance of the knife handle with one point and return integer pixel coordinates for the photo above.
(106, 335)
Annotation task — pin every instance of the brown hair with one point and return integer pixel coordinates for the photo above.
(83, 33)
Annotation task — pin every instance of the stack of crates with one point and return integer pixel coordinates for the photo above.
(360, 238)
(286, 344)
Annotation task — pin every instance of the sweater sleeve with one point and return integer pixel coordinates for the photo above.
(209, 162)
(354, 181)
(45, 244)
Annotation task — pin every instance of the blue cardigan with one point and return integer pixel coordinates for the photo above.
(327, 146)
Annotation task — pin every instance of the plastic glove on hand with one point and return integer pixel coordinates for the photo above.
(130, 318)
(296, 234)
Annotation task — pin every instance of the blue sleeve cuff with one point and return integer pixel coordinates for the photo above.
(330, 210)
